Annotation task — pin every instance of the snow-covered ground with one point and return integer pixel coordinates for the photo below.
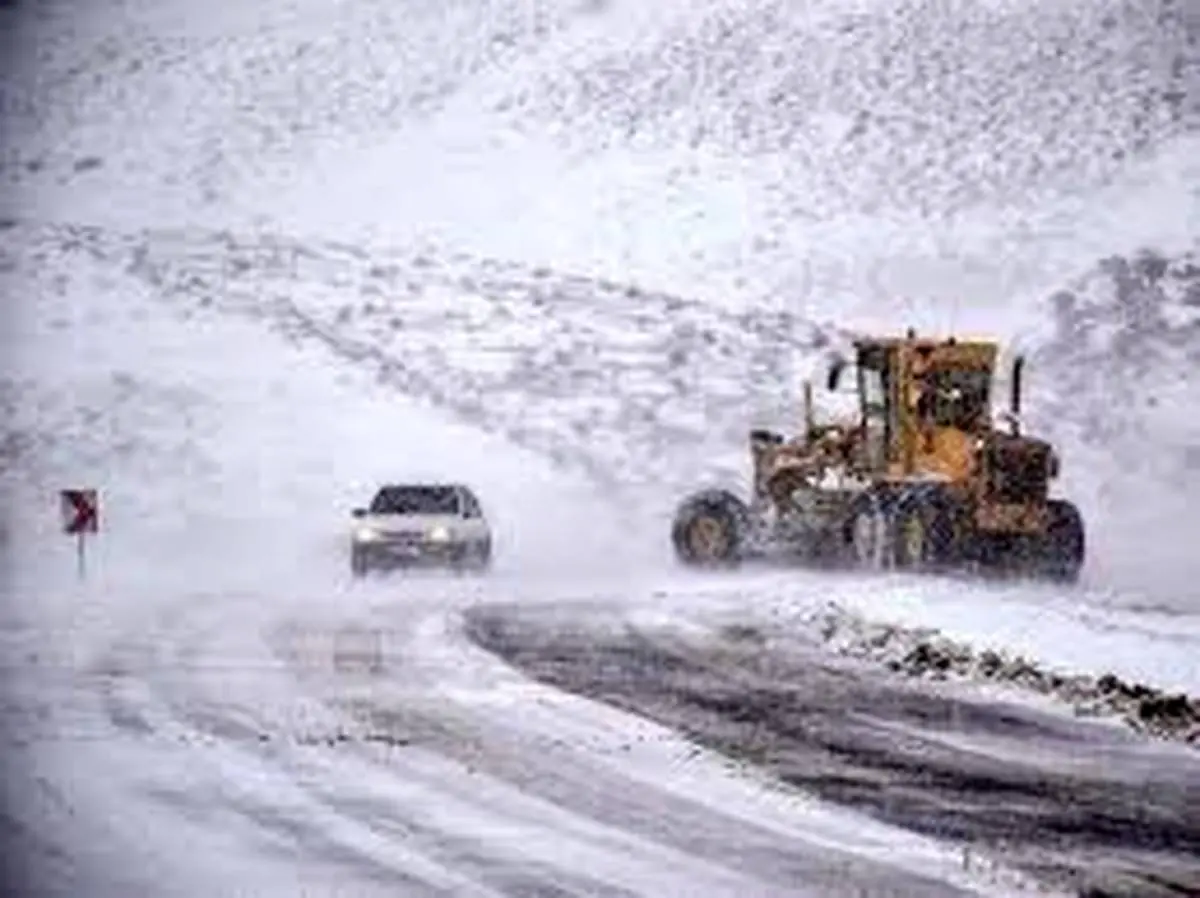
(255, 261)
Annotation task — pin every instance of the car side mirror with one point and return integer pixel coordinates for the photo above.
(359, 513)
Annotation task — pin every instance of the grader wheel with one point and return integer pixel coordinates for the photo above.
(926, 530)
(870, 536)
(914, 541)
(1064, 547)
(710, 529)
(911, 530)
(707, 537)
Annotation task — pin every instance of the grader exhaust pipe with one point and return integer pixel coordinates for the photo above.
(1015, 405)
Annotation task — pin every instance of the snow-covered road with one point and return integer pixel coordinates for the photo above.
(256, 742)
(1082, 804)
(372, 749)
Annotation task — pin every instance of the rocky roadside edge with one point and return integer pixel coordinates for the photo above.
(926, 653)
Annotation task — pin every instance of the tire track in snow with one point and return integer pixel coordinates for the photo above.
(611, 772)
(468, 802)
(251, 769)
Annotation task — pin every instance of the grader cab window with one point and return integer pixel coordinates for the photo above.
(955, 398)
(874, 387)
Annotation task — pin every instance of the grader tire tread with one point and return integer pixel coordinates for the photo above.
(723, 511)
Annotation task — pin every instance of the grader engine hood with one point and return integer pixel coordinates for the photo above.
(1018, 468)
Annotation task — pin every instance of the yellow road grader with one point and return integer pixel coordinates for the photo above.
(921, 477)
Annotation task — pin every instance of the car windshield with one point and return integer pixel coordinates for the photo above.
(416, 500)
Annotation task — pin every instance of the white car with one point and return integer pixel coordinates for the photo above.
(427, 523)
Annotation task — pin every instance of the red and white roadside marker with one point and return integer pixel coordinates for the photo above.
(80, 517)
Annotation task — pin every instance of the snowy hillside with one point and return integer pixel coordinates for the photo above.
(229, 94)
(892, 160)
(912, 105)
(901, 161)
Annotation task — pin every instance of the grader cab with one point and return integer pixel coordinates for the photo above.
(921, 477)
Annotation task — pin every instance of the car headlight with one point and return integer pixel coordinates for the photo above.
(438, 534)
(366, 535)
